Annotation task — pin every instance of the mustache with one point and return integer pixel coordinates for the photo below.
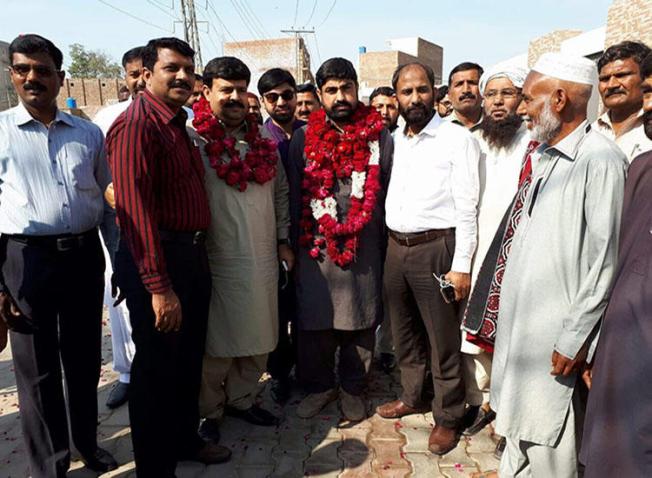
(342, 103)
(417, 107)
(468, 95)
(180, 84)
(233, 103)
(34, 86)
(614, 91)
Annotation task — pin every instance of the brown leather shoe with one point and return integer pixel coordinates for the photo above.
(212, 453)
(442, 440)
(398, 409)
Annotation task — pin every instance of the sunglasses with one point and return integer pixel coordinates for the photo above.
(272, 97)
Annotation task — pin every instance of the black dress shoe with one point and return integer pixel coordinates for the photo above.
(254, 415)
(100, 461)
(482, 419)
(387, 362)
(500, 448)
(118, 396)
(281, 391)
(209, 430)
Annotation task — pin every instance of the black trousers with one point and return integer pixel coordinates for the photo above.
(317, 359)
(60, 297)
(166, 371)
(284, 357)
(414, 304)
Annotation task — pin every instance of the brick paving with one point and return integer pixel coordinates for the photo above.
(325, 446)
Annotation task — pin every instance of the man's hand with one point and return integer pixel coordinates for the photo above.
(109, 195)
(167, 311)
(462, 283)
(8, 311)
(564, 366)
(587, 375)
(3, 335)
(285, 254)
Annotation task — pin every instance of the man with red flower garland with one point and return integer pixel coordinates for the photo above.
(248, 197)
(431, 215)
(338, 173)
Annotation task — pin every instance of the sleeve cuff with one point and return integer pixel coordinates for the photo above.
(156, 283)
(461, 264)
(568, 345)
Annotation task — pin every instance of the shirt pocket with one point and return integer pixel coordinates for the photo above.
(81, 168)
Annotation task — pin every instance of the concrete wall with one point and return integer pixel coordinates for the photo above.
(548, 43)
(8, 96)
(90, 91)
(629, 20)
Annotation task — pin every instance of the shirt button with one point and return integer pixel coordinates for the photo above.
(59, 183)
(65, 205)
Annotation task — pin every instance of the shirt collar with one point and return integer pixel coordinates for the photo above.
(571, 143)
(23, 117)
(162, 109)
(430, 129)
(604, 120)
(455, 119)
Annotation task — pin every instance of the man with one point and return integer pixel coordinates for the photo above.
(197, 90)
(560, 249)
(464, 95)
(503, 140)
(247, 240)
(277, 89)
(383, 99)
(431, 216)
(307, 101)
(52, 178)
(161, 264)
(122, 345)
(254, 107)
(617, 433)
(339, 268)
(620, 88)
(443, 103)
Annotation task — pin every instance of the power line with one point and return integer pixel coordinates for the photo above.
(255, 17)
(296, 13)
(314, 37)
(209, 4)
(134, 16)
(164, 10)
(245, 21)
(329, 13)
(314, 7)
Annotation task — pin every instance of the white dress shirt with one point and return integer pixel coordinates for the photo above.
(51, 179)
(632, 142)
(107, 115)
(434, 185)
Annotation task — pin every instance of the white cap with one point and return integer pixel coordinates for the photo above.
(575, 69)
(516, 74)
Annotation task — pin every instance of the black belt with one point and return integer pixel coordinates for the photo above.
(416, 238)
(183, 237)
(60, 242)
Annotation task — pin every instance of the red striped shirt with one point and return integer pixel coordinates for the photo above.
(158, 177)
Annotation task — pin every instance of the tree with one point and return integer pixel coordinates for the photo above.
(91, 64)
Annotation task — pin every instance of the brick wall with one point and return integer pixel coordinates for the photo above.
(629, 20)
(550, 42)
(90, 91)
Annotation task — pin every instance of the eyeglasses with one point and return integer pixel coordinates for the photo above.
(508, 94)
(40, 70)
(273, 97)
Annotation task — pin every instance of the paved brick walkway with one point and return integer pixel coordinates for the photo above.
(324, 446)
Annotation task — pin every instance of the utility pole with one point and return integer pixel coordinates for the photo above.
(190, 30)
(299, 57)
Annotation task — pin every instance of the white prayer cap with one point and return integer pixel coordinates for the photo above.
(516, 74)
(575, 69)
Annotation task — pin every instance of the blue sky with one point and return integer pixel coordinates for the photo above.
(477, 30)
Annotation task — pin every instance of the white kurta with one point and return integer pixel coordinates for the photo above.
(632, 142)
(556, 282)
(499, 170)
(243, 258)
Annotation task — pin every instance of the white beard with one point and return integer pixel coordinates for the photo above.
(548, 125)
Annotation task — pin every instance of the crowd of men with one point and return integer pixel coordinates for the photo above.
(225, 246)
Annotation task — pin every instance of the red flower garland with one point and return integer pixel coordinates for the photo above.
(260, 161)
(333, 156)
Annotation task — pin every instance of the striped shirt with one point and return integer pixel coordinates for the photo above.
(51, 178)
(158, 177)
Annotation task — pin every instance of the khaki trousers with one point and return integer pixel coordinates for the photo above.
(229, 381)
(477, 377)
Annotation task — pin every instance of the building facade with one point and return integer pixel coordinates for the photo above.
(8, 96)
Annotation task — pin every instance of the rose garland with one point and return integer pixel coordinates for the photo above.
(260, 161)
(354, 154)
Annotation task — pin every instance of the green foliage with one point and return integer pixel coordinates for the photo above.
(91, 64)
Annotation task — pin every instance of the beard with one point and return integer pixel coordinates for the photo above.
(344, 113)
(647, 123)
(282, 118)
(500, 133)
(418, 114)
(548, 125)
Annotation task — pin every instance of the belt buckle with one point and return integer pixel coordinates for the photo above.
(65, 244)
(407, 240)
(198, 238)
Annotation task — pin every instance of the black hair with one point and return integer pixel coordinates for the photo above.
(131, 55)
(381, 91)
(228, 68)
(465, 66)
(307, 88)
(273, 78)
(646, 66)
(637, 51)
(335, 68)
(30, 44)
(198, 77)
(150, 51)
(442, 91)
(429, 73)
